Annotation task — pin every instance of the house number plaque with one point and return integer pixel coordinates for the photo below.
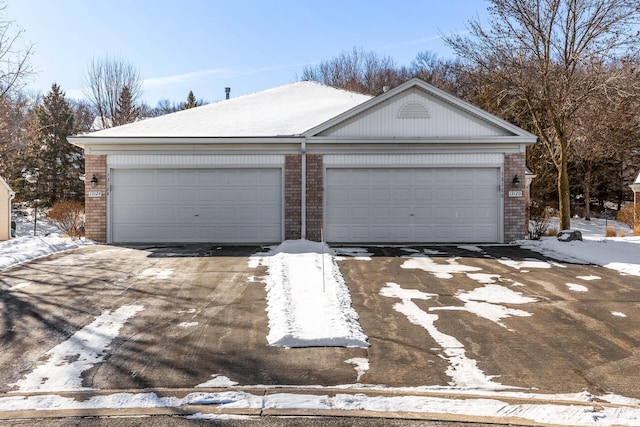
(95, 193)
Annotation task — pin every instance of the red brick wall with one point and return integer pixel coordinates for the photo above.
(95, 208)
(315, 190)
(292, 196)
(514, 207)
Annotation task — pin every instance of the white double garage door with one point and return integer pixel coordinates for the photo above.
(361, 205)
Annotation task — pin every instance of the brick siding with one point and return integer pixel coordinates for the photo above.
(315, 193)
(292, 197)
(95, 208)
(514, 207)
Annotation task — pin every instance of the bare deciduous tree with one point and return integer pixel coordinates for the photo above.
(15, 54)
(358, 71)
(105, 80)
(547, 56)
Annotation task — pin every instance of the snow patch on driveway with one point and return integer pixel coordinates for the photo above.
(442, 271)
(485, 303)
(526, 264)
(84, 349)
(308, 302)
(463, 371)
(577, 288)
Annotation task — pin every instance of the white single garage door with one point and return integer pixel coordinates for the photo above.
(196, 205)
(412, 205)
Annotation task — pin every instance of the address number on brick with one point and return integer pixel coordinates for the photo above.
(515, 193)
(95, 193)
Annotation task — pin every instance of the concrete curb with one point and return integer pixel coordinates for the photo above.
(216, 409)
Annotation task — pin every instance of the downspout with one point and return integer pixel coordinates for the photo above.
(12, 195)
(303, 190)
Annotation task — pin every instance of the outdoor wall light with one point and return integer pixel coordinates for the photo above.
(516, 181)
(94, 181)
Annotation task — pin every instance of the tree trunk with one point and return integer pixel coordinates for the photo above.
(564, 193)
(587, 194)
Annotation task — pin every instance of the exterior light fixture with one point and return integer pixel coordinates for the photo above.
(94, 181)
(515, 181)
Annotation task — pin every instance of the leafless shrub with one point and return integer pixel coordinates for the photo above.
(625, 215)
(69, 215)
(539, 222)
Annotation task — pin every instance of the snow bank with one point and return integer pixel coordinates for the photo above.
(23, 249)
(617, 253)
(308, 303)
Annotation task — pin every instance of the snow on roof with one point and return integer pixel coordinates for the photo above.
(637, 179)
(283, 111)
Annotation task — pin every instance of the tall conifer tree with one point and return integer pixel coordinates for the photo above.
(52, 165)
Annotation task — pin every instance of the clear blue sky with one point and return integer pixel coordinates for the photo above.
(205, 45)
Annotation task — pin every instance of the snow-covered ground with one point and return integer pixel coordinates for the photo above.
(48, 239)
(309, 305)
(618, 253)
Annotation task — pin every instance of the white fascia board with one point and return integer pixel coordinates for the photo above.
(86, 141)
(193, 149)
(445, 140)
(396, 148)
(187, 145)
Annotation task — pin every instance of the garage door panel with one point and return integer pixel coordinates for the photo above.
(465, 214)
(382, 195)
(412, 205)
(443, 214)
(422, 194)
(196, 205)
(402, 194)
(271, 214)
(444, 195)
(464, 193)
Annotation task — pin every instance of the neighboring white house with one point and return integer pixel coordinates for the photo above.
(412, 165)
(6, 195)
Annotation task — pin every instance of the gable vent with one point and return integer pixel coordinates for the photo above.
(413, 110)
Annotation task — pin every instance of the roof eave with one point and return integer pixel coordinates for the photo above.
(85, 140)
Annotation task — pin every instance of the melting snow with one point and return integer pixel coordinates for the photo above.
(463, 371)
(360, 364)
(218, 381)
(577, 288)
(442, 271)
(157, 273)
(528, 263)
(84, 349)
(618, 314)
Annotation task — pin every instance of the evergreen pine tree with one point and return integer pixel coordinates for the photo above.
(126, 111)
(53, 166)
(191, 101)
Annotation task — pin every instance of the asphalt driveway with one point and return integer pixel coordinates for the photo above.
(204, 315)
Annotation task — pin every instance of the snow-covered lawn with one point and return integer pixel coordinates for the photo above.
(48, 239)
(618, 253)
(309, 304)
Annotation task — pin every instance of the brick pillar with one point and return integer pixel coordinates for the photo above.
(292, 196)
(95, 208)
(515, 215)
(315, 194)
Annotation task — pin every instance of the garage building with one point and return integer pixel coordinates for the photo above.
(412, 165)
